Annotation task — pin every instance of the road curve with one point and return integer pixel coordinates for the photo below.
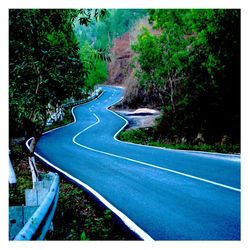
(160, 194)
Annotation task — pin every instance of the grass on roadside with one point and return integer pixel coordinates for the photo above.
(83, 219)
(145, 137)
(77, 215)
(23, 176)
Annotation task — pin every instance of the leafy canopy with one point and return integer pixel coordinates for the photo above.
(44, 66)
(193, 66)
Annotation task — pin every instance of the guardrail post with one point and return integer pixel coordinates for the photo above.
(32, 163)
(12, 175)
(38, 224)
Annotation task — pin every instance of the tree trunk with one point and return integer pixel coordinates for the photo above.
(109, 42)
(172, 93)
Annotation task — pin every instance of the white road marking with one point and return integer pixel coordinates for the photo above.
(127, 221)
(121, 215)
(145, 163)
(72, 112)
(219, 156)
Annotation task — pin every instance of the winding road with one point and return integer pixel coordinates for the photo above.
(160, 194)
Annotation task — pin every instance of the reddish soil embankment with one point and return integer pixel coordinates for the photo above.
(121, 55)
(120, 70)
(122, 74)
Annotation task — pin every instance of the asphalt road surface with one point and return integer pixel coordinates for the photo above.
(160, 194)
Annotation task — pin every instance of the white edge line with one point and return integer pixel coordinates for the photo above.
(128, 222)
(147, 164)
(122, 216)
(144, 163)
(73, 114)
(162, 148)
(213, 153)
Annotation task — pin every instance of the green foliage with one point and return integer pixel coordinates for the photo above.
(83, 236)
(44, 63)
(86, 16)
(82, 218)
(193, 66)
(45, 66)
(24, 180)
(115, 23)
(94, 65)
(139, 136)
(148, 137)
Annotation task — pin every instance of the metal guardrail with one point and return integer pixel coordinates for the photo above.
(59, 114)
(39, 223)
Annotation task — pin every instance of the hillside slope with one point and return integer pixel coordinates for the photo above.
(121, 70)
(121, 55)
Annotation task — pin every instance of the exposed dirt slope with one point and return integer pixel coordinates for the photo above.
(121, 55)
(121, 72)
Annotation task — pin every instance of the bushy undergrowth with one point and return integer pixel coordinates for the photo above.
(82, 218)
(77, 216)
(147, 137)
(68, 118)
(23, 176)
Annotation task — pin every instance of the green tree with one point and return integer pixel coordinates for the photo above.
(94, 64)
(194, 66)
(115, 23)
(44, 64)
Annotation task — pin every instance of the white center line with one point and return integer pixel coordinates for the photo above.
(145, 163)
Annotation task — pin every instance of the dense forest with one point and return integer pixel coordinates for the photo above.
(116, 22)
(185, 62)
(44, 64)
(58, 54)
(191, 69)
